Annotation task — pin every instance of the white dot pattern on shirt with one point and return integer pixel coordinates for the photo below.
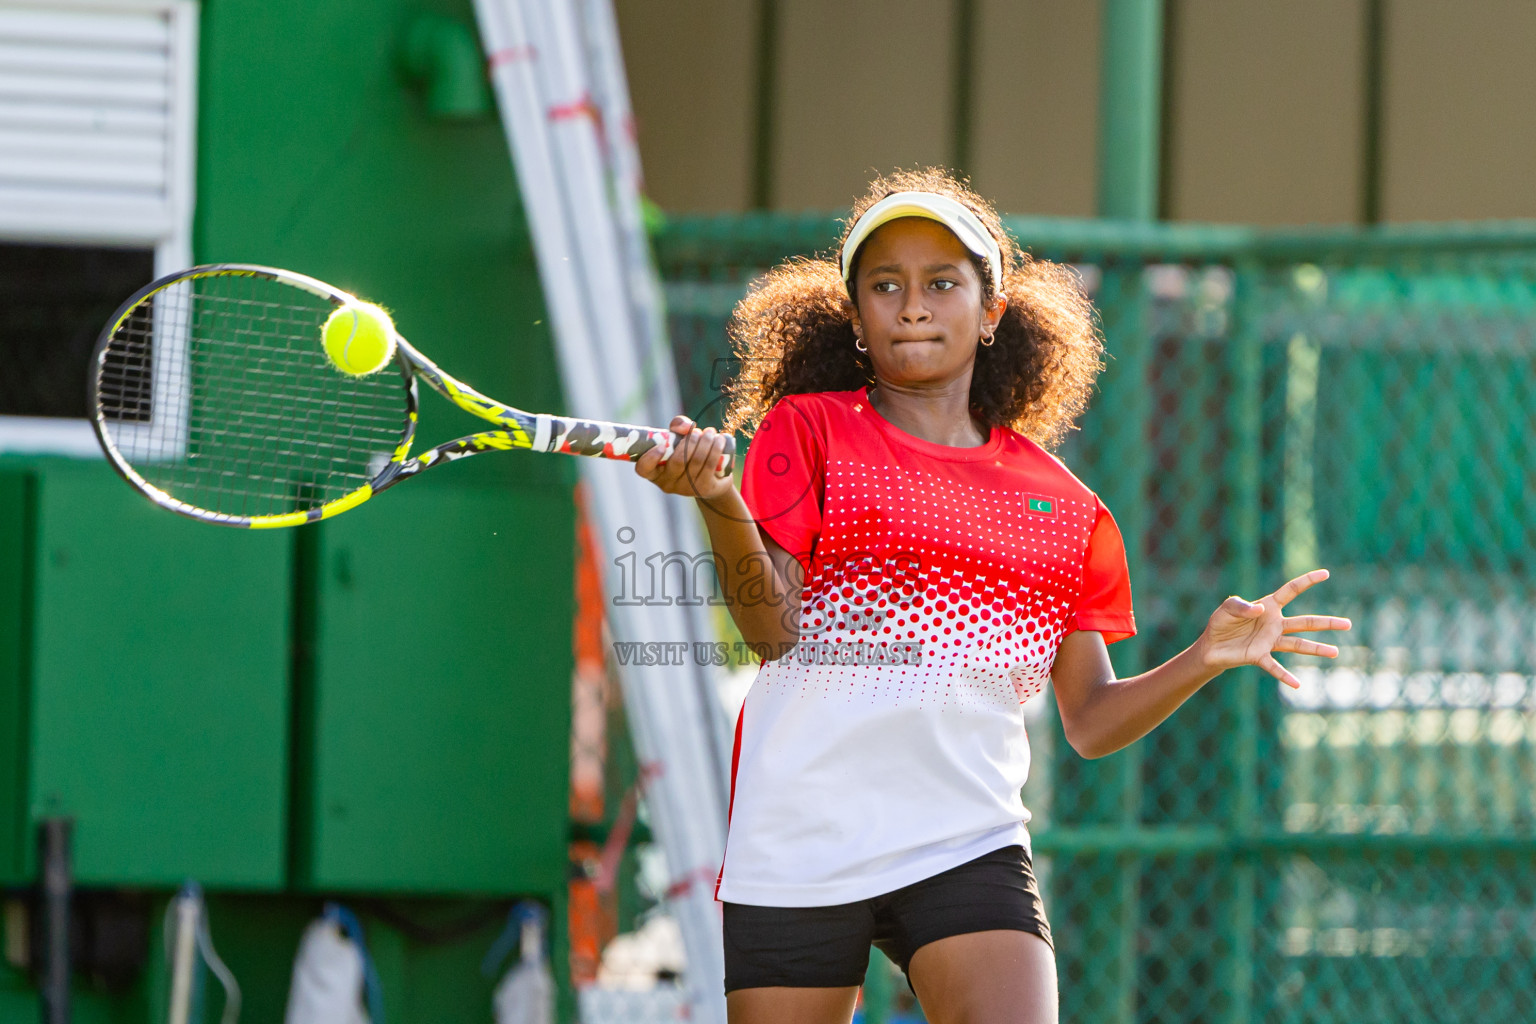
(966, 570)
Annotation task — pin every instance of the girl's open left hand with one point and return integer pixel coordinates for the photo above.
(1251, 633)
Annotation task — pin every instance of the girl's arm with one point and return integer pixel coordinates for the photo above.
(1101, 714)
(759, 580)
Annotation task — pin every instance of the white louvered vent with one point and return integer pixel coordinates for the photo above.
(96, 121)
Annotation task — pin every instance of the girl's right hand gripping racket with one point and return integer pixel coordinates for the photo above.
(213, 396)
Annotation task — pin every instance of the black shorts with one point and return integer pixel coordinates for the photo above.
(828, 947)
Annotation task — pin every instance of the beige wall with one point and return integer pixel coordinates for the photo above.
(1459, 132)
(863, 86)
(1035, 94)
(691, 78)
(1266, 97)
(1267, 105)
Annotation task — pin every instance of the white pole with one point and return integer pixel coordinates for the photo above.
(571, 121)
(690, 821)
(692, 787)
(623, 157)
(579, 151)
(610, 86)
(184, 958)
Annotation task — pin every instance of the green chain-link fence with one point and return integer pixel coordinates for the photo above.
(1363, 850)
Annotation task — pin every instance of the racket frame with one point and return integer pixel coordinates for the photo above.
(518, 429)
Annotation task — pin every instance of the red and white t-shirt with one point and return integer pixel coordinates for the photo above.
(889, 745)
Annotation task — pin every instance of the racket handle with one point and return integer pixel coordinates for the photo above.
(625, 442)
(726, 457)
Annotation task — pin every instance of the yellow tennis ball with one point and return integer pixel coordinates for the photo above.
(359, 338)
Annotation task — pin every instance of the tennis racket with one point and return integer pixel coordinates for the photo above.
(212, 395)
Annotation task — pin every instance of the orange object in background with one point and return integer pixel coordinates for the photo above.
(589, 680)
(594, 915)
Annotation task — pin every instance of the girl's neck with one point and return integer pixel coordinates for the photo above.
(940, 415)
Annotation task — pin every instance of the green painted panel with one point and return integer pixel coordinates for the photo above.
(16, 517)
(22, 1006)
(160, 687)
(436, 742)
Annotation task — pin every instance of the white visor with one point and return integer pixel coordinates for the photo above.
(953, 214)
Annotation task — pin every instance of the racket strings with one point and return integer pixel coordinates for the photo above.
(217, 391)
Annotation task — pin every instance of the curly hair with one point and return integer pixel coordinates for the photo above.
(794, 335)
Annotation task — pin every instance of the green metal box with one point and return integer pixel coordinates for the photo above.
(435, 714)
(156, 663)
(17, 507)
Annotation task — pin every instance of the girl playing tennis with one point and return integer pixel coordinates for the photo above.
(914, 565)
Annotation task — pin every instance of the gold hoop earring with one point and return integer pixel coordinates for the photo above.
(987, 340)
(858, 343)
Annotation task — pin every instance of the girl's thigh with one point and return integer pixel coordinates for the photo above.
(791, 1005)
(992, 977)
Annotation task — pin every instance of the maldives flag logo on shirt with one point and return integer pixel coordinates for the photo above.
(1039, 505)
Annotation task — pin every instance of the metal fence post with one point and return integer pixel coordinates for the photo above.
(1122, 416)
(56, 884)
(1244, 464)
(1130, 104)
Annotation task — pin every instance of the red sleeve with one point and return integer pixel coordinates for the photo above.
(784, 478)
(1104, 605)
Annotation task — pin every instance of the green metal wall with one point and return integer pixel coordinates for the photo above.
(374, 708)
(438, 715)
(159, 712)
